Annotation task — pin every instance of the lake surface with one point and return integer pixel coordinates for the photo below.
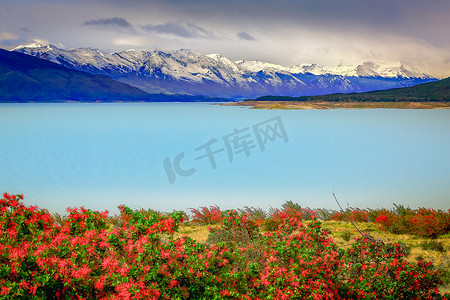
(103, 155)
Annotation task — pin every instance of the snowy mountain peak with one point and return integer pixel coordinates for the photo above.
(257, 65)
(187, 71)
(315, 69)
(366, 69)
(32, 45)
(380, 69)
(214, 55)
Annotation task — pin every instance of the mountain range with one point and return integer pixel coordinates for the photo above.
(190, 73)
(24, 78)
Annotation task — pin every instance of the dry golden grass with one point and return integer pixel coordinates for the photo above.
(197, 232)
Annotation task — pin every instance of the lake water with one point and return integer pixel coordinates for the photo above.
(103, 155)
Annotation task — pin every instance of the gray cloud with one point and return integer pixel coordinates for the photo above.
(290, 31)
(245, 36)
(119, 22)
(184, 30)
(6, 36)
(426, 20)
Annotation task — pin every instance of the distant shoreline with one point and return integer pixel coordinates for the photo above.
(108, 101)
(322, 105)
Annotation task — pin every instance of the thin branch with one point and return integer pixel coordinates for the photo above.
(366, 235)
(446, 261)
(346, 216)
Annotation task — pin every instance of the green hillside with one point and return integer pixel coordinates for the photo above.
(427, 92)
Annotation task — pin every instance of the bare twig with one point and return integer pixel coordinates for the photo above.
(346, 216)
(446, 261)
(366, 235)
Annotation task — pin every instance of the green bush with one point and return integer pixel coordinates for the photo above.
(433, 245)
(346, 235)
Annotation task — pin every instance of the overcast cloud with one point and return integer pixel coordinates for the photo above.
(184, 30)
(245, 36)
(5, 36)
(287, 32)
(120, 22)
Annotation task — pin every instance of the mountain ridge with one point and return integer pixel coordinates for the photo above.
(25, 78)
(188, 72)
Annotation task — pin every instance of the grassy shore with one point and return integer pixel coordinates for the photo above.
(253, 104)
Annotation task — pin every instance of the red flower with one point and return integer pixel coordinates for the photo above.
(173, 283)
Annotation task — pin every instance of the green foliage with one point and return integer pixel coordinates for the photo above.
(257, 214)
(272, 224)
(291, 205)
(324, 214)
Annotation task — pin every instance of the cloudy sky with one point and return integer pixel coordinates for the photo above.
(286, 32)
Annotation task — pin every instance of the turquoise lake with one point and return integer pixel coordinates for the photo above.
(103, 155)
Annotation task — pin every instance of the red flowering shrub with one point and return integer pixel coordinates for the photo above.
(385, 219)
(430, 223)
(423, 222)
(290, 210)
(359, 215)
(338, 216)
(84, 257)
(205, 215)
(377, 270)
(257, 215)
(372, 214)
(352, 214)
(79, 259)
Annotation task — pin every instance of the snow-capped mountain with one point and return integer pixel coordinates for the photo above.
(366, 69)
(188, 72)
